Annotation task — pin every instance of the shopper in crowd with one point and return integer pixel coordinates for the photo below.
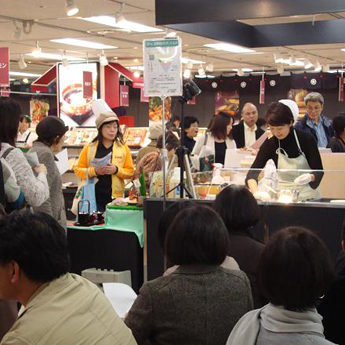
(167, 219)
(173, 124)
(332, 306)
(57, 307)
(201, 301)
(246, 132)
(111, 176)
(337, 143)
(155, 130)
(291, 150)
(51, 136)
(25, 137)
(295, 272)
(217, 138)
(190, 132)
(153, 161)
(240, 212)
(34, 187)
(314, 121)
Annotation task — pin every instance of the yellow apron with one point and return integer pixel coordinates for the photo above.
(288, 172)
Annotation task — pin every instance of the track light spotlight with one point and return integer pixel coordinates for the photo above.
(240, 72)
(317, 66)
(21, 63)
(37, 51)
(103, 59)
(18, 32)
(186, 73)
(280, 69)
(70, 8)
(120, 18)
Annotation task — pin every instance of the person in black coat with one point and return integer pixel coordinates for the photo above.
(190, 131)
(246, 132)
(240, 212)
(337, 143)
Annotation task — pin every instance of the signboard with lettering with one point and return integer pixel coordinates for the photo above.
(4, 67)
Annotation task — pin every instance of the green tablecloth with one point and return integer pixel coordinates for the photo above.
(126, 218)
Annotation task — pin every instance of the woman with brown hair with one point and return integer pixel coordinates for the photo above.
(217, 138)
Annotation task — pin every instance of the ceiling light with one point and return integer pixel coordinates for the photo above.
(137, 68)
(209, 67)
(103, 59)
(18, 32)
(280, 69)
(325, 68)
(187, 61)
(24, 74)
(278, 58)
(136, 74)
(307, 64)
(37, 51)
(232, 48)
(82, 43)
(201, 70)
(121, 20)
(317, 66)
(186, 73)
(65, 62)
(57, 57)
(21, 63)
(205, 76)
(70, 8)
(190, 64)
(292, 60)
(244, 70)
(171, 34)
(25, 80)
(127, 25)
(240, 72)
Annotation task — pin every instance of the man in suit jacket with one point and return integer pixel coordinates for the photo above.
(246, 132)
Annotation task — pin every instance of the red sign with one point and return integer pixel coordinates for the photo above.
(262, 92)
(341, 90)
(192, 101)
(124, 96)
(5, 93)
(4, 67)
(143, 98)
(87, 84)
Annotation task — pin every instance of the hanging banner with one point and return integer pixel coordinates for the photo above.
(124, 96)
(262, 92)
(163, 67)
(341, 90)
(4, 67)
(143, 98)
(87, 84)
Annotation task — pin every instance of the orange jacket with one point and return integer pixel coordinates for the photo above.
(121, 157)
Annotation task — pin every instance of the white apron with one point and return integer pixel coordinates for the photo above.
(286, 178)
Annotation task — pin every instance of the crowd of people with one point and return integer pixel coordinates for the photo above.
(222, 285)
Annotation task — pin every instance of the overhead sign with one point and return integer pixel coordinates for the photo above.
(124, 96)
(4, 67)
(162, 67)
(87, 84)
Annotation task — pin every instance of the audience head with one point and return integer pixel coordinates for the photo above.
(168, 217)
(171, 143)
(108, 127)
(51, 131)
(221, 125)
(237, 207)
(175, 120)
(280, 120)
(339, 125)
(155, 130)
(33, 245)
(191, 126)
(295, 269)
(249, 114)
(314, 102)
(9, 120)
(196, 236)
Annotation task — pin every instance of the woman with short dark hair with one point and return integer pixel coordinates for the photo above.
(35, 188)
(240, 211)
(217, 138)
(295, 271)
(51, 137)
(293, 152)
(201, 301)
(337, 143)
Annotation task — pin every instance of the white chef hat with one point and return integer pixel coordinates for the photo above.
(100, 106)
(293, 107)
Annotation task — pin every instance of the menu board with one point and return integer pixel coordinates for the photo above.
(73, 107)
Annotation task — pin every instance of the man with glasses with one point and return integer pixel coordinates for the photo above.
(314, 122)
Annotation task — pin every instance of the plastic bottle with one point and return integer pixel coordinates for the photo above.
(217, 178)
(173, 182)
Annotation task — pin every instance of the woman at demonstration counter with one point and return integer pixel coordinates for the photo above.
(290, 149)
(120, 167)
(217, 138)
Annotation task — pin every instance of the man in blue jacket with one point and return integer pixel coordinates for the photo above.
(314, 122)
